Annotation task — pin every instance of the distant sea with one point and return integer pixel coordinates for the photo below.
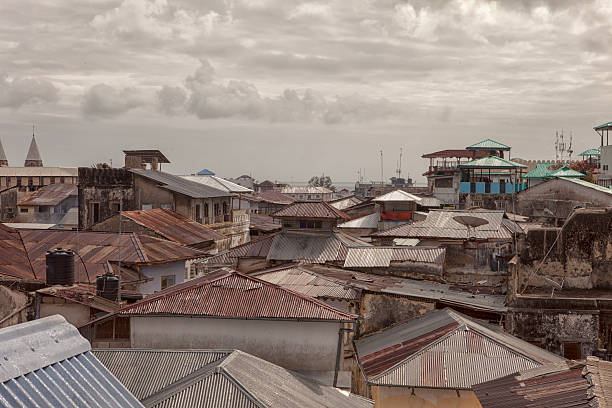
(349, 185)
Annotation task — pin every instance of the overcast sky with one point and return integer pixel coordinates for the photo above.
(284, 90)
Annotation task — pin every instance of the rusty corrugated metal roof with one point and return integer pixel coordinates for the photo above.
(234, 295)
(560, 385)
(265, 223)
(14, 259)
(445, 349)
(270, 196)
(173, 226)
(95, 249)
(442, 224)
(319, 209)
(50, 195)
(83, 294)
(382, 257)
(301, 279)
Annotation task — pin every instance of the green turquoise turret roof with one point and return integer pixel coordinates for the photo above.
(605, 125)
(491, 162)
(488, 144)
(590, 152)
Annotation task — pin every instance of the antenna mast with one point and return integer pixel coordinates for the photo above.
(382, 177)
(399, 165)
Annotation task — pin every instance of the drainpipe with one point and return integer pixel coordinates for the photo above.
(339, 351)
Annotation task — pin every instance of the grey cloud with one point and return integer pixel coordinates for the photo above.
(212, 99)
(21, 91)
(104, 101)
(171, 100)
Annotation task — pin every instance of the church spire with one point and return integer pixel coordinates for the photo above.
(3, 159)
(33, 158)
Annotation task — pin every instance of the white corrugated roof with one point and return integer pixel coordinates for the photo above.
(367, 221)
(397, 195)
(219, 183)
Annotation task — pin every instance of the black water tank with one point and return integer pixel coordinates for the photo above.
(107, 286)
(60, 267)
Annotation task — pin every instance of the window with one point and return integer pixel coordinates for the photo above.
(318, 224)
(40, 181)
(62, 180)
(95, 212)
(8, 181)
(147, 206)
(52, 180)
(217, 209)
(44, 209)
(303, 224)
(18, 181)
(572, 350)
(23, 210)
(167, 206)
(206, 210)
(167, 281)
(198, 215)
(225, 208)
(115, 206)
(30, 181)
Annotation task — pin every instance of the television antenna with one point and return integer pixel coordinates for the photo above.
(470, 222)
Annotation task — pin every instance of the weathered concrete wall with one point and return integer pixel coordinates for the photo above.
(550, 328)
(148, 193)
(8, 204)
(378, 311)
(11, 301)
(75, 313)
(290, 344)
(402, 397)
(581, 257)
(106, 187)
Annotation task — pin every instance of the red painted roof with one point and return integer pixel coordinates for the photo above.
(318, 209)
(234, 295)
(456, 153)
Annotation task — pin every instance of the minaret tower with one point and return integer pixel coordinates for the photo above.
(3, 159)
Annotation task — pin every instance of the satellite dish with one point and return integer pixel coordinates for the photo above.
(470, 221)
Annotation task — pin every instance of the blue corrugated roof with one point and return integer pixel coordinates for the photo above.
(205, 172)
(47, 363)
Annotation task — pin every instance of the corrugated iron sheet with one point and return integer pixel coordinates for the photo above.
(53, 194)
(147, 372)
(381, 257)
(83, 294)
(558, 386)
(46, 363)
(242, 380)
(14, 259)
(219, 183)
(318, 209)
(458, 361)
(173, 226)
(270, 196)
(367, 221)
(445, 349)
(236, 296)
(179, 185)
(306, 282)
(345, 202)
(265, 223)
(95, 249)
(441, 224)
(312, 247)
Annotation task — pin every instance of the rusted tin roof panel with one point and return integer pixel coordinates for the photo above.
(445, 349)
(83, 294)
(14, 260)
(381, 257)
(50, 195)
(305, 246)
(179, 185)
(443, 224)
(235, 295)
(302, 280)
(95, 249)
(173, 226)
(265, 223)
(318, 209)
(547, 386)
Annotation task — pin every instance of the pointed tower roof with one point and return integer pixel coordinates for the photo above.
(33, 158)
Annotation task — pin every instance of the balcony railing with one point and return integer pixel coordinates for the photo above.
(482, 187)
